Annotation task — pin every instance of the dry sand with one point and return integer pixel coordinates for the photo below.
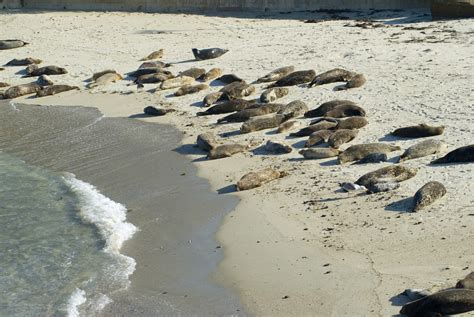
(298, 245)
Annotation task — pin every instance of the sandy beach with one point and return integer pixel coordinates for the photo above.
(298, 245)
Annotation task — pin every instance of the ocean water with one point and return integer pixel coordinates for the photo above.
(60, 243)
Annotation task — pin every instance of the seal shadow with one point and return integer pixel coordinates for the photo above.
(332, 162)
(402, 206)
(272, 132)
(199, 104)
(229, 134)
(227, 189)
(299, 144)
(189, 149)
(390, 138)
(296, 159)
(340, 87)
(22, 72)
(184, 62)
(399, 300)
(216, 83)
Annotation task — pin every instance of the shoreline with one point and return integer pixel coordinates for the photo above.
(298, 245)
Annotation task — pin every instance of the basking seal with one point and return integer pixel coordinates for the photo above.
(189, 89)
(23, 62)
(467, 282)
(227, 107)
(2, 84)
(193, 72)
(428, 194)
(332, 76)
(257, 179)
(359, 151)
(263, 122)
(318, 153)
(295, 78)
(352, 123)
(105, 79)
(321, 125)
(237, 90)
(153, 111)
(10, 44)
(206, 141)
(277, 148)
(155, 55)
(389, 174)
(356, 81)
(339, 137)
(294, 109)
(418, 131)
(287, 126)
(33, 70)
(211, 98)
(273, 94)
(102, 73)
(21, 90)
(276, 74)
(44, 80)
(463, 154)
(211, 74)
(382, 187)
(226, 150)
(154, 78)
(318, 137)
(145, 71)
(373, 158)
(446, 302)
(245, 114)
(424, 148)
(347, 110)
(229, 78)
(154, 64)
(176, 82)
(208, 53)
(54, 89)
(325, 107)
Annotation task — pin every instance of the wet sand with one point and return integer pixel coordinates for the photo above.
(138, 165)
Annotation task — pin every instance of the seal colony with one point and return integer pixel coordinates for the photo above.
(332, 121)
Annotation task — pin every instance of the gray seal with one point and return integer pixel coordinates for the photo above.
(54, 89)
(227, 107)
(322, 125)
(226, 150)
(359, 151)
(211, 98)
(352, 123)
(33, 70)
(277, 148)
(287, 126)
(295, 78)
(208, 53)
(206, 141)
(276, 74)
(190, 89)
(153, 111)
(424, 148)
(318, 137)
(347, 110)
(273, 94)
(427, 195)
(193, 72)
(446, 302)
(237, 90)
(263, 122)
(10, 44)
(24, 61)
(339, 137)
(356, 81)
(257, 179)
(389, 174)
(325, 107)
(154, 78)
(418, 131)
(244, 115)
(294, 109)
(463, 154)
(373, 158)
(318, 153)
(21, 90)
(332, 76)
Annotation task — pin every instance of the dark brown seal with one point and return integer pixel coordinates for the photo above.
(54, 89)
(332, 76)
(2, 84)
(418, 131)
(24, 61)
(446, 302)
(154, 78)
(428, 194)
(237, 90)
(263, 122)
(193, 72)
(356, 81)
(347, 110)
(321, 125)
(33, 70)
(244, 115)
(325, 107)
(229, 78)
(295, 78)
(153, 111)
(352, 123)
(463, 154)
(389, 174)
(227, 107)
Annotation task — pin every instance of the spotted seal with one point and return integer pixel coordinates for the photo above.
(321, 125)
(294, 109)
(24, 61)
(339, 137)
(389, 174)
(347, 110)
(427, 195)
(263, 122)
(237, 90)
(206, 141)
(352, 123)
(318, 137)
(54, 89)
(211, 74)
(176, 82)
(193, 72)
(190, 89)
(332, 76)
(21, 90)
(257, 179)
(319, 153)
(277, 147)
(356, 81)
(467, 282)
(211, 98)
(153, 111)
(226, 150)
(359, 151)
(424, 148)
(273, 94)
(276, 74)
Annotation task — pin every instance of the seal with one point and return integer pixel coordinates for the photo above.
(193, 72)
(176, 82)
(237, 90)
(102, 73)
(229, 78)
(213, 73)
(10, 44)
(332, 76)
(273, 94)
(206, 141)
(153, 111)
(339, 137)
(424, 148)
(257, 179)
(389, 174)
(277, 148)
(467, 282)
(154, 78)
(145, 71)
(318, 137)
(44, 80)
(446, 302)
(356, 81)
(226, 150)
(21, 90)
(54, 89)
(2, 84)
(359, 151)
(382, 187)
(227, 107)
(211, 98)
(343, 111)
(418, 131)
(373, 158)
(263, 122)
(24, 61)
(33, 70)
(463, 154)
(155, 55)
(295, 78)
(427, 195)
(318, 153)
(294, 109)
(352, 123)
(245, 114)
(287, 126)
(321, 125)
(276, 74)
(325, 107)
(189, 89)
(154, 64)
(208, 53)
(105, 79)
